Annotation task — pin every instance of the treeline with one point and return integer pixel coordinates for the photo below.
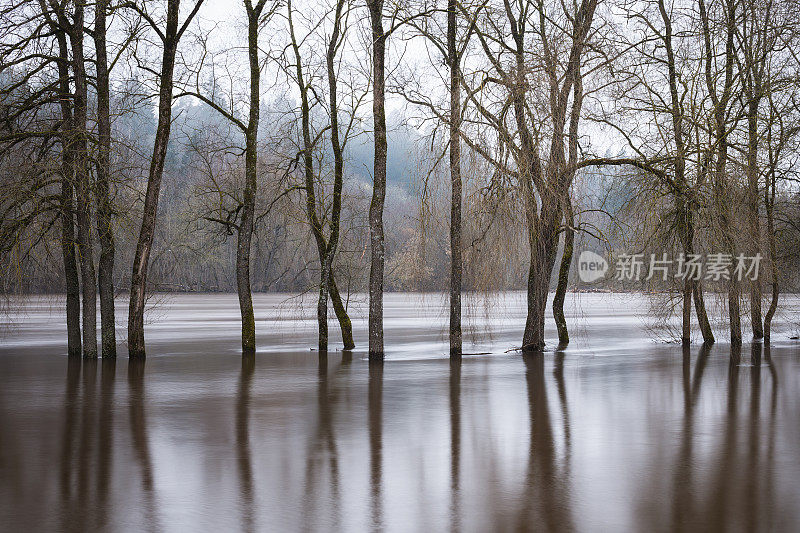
(160, 145)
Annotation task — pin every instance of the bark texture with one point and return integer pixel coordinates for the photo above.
(456, 266)
(170, 38)
(105, 267)
(83, 188)
(73, 303)
(377, 246)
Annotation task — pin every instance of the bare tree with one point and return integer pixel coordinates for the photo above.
(105, 267)
(377, 246)
(169, 37)
(67, 194)
(721, 100)
(542, 184)
(245, 211)
(456, 267)
(315, 209)
(80, 159)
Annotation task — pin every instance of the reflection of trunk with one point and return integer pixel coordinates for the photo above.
(324, 441)
(106, 431)
(67, 217)
(544, 482)
(455, 437)
(146, 233)
(83, 187)
(105, 267)
(375, 422)
(455, 181)
(375, 8)
(138, 421)
(70, 423)
(243, 439)
(720, 507)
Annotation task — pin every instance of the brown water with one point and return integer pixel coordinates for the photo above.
(617, 433)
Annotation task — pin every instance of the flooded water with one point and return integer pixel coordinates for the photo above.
(617, 433)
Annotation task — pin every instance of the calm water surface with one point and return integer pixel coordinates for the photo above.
(617, 433)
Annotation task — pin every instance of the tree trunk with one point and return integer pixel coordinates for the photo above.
(455, 183)
(338, 184)
(83, 187)
(769, 204)
(245, 235)
(719, 150)
(70, 268)
(341, 315)
(311, 195)
(105, 267)
(752, 213)
(563, 277)
(73, 304)
(543, 256)
(136, 348)
(375, 8)
(569, 217)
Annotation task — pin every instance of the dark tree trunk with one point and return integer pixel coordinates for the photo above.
(311, 195)
(70, 268)
(683, 202)
(73, 304)
(326, 248)
(338, 183)
(702, 315)
(136, 348)
(563, 276)
(752, 210)
(719, 149)
(552, 184)
(769, 204)
(455, 182)
(569, 217)
(83, 186)
(341, 315)
(105, 267)
(245, 234)
(692, 289)
(377, 256)
(543, 257)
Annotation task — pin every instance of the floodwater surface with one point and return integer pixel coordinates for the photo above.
(619, 432)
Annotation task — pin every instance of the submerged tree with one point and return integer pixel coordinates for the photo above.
(242, 218)
(377, 245)
(169, 37)
(316, 210)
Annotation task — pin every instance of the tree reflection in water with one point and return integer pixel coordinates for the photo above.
(243, 442)
(546, 497)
